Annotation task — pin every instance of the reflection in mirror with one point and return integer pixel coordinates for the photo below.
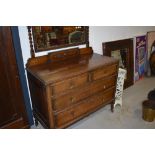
(52, 37)
(121, 55)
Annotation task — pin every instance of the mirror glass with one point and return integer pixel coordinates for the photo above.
(53, 37)
(121, 55)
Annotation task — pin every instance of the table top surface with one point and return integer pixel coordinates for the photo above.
(52, 72)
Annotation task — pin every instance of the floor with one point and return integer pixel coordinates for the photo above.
(127, 117)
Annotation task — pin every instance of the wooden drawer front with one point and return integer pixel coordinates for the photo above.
(103, 72)
(69, 84)
(82, 93)
(84, 107)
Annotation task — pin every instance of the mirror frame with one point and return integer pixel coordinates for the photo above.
(35, 50)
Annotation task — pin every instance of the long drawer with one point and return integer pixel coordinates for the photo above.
(74, 96)
(69, 84)
(84, 107)
(104, 72)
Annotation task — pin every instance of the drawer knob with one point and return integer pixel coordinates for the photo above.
(72, 99)
(103, 100)
(104, 86)
(72, 113)
(89, 77)
(71, 86)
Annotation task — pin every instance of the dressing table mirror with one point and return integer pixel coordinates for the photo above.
(43, 38)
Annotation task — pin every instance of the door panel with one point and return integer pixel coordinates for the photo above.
(7, 108)
(11, 98)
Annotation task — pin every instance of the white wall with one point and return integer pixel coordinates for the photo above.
(24, 41)
(99, 34)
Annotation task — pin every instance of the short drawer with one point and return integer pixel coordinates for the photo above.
(69, 84)
(74, 96)
(84, 107)
(104, 72)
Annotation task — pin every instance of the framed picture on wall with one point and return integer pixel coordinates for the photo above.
(150, 49)
(140, 57)
(123, 51)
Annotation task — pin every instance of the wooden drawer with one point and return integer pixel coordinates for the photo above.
(69, 84)
(84, 107)
(61, 102)
(104, 72)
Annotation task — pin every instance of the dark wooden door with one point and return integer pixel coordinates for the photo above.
(12, 108)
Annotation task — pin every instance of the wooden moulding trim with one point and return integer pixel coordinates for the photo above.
(87, 50)
(50, 109)
(16, 124)
(37, 61)
(44, 59)
(64, 55)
